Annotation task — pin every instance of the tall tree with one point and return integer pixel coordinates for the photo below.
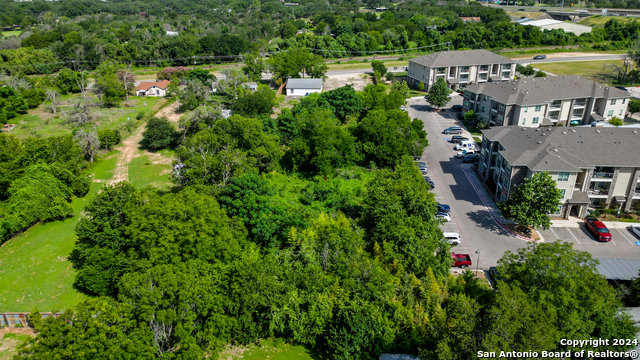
(344, 102)
(253, 66)
(438, 95)
(159, 133)
(532, 201)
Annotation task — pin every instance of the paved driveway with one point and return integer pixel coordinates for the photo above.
(470, 217)
(623, 244)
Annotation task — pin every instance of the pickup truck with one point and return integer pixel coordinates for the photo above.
(461, 260)
(598, 229)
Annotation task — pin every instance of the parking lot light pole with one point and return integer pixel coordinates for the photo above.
(478, 262)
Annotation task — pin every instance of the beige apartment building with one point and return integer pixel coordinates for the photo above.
(460, 68)
(591, 165)
(545, 101)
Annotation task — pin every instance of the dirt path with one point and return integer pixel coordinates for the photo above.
(130, 146)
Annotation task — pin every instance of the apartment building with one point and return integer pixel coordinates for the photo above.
(545, 101)
(460, 68)
(593, 166)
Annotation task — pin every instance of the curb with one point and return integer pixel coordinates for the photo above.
(495, 219)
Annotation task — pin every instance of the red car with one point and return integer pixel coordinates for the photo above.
(461, 260)
(598, 229)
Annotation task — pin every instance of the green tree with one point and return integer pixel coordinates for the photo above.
(255, 103)
(194, 94)
(378, 66)
(203, 75)
(11, 104)
(159, 134)
(633, 107)
(616, 121)
(232, 84)
(108, 138)
(67, 81)
(253, 66)
(344, 102)
(291, 63)
(109, 89)
(525, 70)
(566, 282)
(470, 115)
(402, 88)
(532, 201)
(438, 95)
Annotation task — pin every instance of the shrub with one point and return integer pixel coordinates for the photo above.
(140, 115)
(108, 138)
(159, 134)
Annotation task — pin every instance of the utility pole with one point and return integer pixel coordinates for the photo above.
(477, 263)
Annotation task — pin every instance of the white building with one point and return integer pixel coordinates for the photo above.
(545, 101)
(550, 24)
(152, 88)
(303, 87)
(460, 68)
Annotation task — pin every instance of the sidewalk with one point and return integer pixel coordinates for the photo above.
(484, 195)
(575, 222)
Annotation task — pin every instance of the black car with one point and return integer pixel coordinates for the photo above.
(443, 208)
(522, 10)
(458, 139)
(471, 158)
(457, 107)
(539, 57)
(621, 88)
(545, 10)
(494, 274)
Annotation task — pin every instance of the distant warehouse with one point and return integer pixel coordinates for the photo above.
(550, 24)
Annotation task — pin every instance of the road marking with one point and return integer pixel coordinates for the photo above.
(554, 234)
(573, 235)
(618, 230)
(591, 236)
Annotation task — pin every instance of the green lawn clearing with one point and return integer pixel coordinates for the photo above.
(6, 34)
(34, 270)
(598, 21)
(41, 122)
(9, 344)
(529, 14)
(592, 70)
(270, 349)
(144, 172)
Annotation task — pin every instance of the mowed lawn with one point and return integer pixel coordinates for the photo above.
(592, 70)
(6, 34)
(143, 172)
(34, 270)
(272, 350)
(598, 21)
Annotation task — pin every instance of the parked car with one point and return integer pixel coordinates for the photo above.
(403, 108)
(424, 171)
(465, 145)
(427, 179)
(494, 274)
(462, 154)
(461, 260)
(416, 158)
(598, 229)
(453, 130)
(453, 238)
(457, 139)
(443, 208)
(446, 217)
(544, 10)
(540, 57)
(431, 185)
(456, 107)
(420, 163)
(471, 158)
(635, 229)
(522, 10)
(621, 88)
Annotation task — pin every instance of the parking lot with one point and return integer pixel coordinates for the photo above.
(580, 236)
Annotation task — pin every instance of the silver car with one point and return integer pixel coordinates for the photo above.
(635, 229)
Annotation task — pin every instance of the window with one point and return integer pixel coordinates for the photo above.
(538, 108)
(467, 93)
(466, 104)
(465, 69)
(558, 209)
(535, 120)
(483, 76)
(613, 101)
(557, 102)
(482, 109)
(563, 176)
(623, 101)
(620, 112)
(562, 192)
(484, 98)
(524, 121)
(578, 112)
(500, 119)
(526, 108)
(501, 106)
(610, 113)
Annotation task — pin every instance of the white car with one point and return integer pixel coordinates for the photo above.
(635, 229)
(452, 237)
(461, 154)
(446, 217)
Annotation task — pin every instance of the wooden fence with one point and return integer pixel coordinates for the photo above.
(21, 319)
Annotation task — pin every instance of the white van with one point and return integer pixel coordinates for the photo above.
(452, 237)
(465, 145)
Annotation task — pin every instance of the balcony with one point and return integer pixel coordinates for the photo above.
(577, 186)
(483, 69)
(598, 192)
(636, 195)
(554, 106)
(440, 72)
(599, 176)
(580, 104)
(464, 70)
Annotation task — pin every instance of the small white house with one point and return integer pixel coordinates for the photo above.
(152, 88)
(303, 87)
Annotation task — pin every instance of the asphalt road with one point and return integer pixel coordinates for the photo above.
(622, 244)
(470, 218)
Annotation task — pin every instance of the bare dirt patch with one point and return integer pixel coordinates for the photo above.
(520, 230)
(359, 81)
(232, 352)
(170, 112)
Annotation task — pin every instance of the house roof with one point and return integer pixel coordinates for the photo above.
(618, 269)
(461, 58)
(566, 149)
(542, 22)
(304, 84)
(145, 85)
(537, 91)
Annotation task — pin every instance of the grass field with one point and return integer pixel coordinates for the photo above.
(529, 14)
(9, 344)
(41, 122)
(588, 69)
(363, 65)
(6, 34)
(598, 21)
(144, 172)
(272, 350)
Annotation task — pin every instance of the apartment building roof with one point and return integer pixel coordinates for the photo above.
(460, 58)
(567, 149)
(537, 91)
